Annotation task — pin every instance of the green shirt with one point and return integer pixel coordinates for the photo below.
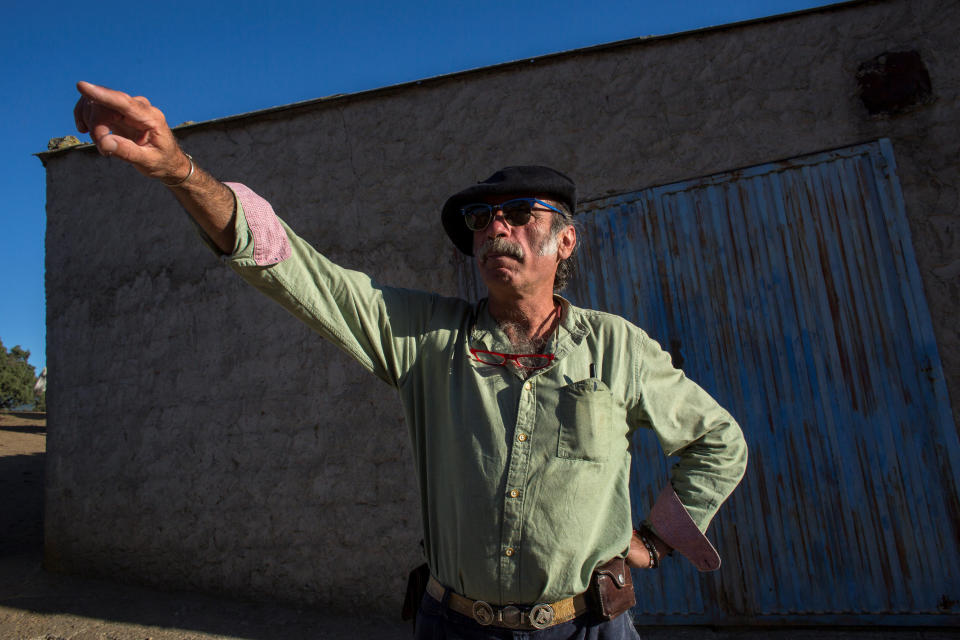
(524, 483)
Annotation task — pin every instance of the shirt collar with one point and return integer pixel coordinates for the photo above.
(487, 332)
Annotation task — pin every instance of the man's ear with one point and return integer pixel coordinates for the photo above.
(566, 242)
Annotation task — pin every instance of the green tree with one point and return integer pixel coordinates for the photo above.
(17, 377)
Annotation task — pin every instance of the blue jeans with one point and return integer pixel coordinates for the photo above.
(436, 622)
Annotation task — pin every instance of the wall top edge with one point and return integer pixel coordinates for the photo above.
(502, 66)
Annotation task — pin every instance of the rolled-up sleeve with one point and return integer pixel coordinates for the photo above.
(379, 326)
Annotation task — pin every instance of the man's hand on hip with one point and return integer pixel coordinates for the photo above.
(639, 557)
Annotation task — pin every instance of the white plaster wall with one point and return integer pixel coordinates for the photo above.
(200, 437)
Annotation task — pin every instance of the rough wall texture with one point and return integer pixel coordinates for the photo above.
(200, 437)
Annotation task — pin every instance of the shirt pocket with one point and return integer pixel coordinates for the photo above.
(584, 411)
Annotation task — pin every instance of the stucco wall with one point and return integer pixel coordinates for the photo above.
(200, 437)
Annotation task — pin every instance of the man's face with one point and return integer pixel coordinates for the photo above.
(517, 260)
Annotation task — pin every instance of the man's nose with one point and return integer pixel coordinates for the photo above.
(499, 224)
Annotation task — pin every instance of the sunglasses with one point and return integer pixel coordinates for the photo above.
(516, 212)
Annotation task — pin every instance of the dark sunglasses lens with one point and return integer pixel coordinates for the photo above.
(476, 216)
(516, 212)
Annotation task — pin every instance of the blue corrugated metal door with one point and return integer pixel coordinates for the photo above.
(790, 292)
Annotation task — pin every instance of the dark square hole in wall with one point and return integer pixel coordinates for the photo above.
(893, 82)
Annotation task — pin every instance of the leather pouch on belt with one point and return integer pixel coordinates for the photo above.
(416, 587)
(611, 588)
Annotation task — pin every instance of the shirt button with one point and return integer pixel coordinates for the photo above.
(522, 437)
(508, 551)
(528, 386)
(514, 493)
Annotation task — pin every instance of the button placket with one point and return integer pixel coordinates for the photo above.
(518, 465)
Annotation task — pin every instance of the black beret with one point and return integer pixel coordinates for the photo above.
(519, 181)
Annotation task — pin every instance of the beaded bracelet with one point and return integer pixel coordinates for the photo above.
(651, 550)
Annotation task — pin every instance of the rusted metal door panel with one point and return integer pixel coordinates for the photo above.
(790, 292)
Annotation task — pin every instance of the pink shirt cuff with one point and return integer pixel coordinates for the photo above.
(270, 242)
(673, 525)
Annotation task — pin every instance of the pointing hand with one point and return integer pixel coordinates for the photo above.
(131, 129)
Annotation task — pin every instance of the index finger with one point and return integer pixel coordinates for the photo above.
(117, 100)
(78, 116)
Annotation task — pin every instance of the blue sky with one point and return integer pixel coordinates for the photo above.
(202, 60)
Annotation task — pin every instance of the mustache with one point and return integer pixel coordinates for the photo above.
(499, 246)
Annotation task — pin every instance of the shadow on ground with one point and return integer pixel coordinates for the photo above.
(37, 605)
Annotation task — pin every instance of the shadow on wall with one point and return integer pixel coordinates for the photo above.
(36, 603)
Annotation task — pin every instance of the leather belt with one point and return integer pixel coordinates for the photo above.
(539, 616)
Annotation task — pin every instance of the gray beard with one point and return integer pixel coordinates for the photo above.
(520, 343)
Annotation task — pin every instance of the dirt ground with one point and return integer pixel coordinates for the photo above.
(22, 445)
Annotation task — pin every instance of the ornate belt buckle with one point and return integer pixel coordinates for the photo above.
(511, 616)
(541, 616)
(482, 612)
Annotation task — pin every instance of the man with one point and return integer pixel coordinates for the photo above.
(520, 407)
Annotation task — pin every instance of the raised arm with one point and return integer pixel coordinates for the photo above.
(131, 129)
